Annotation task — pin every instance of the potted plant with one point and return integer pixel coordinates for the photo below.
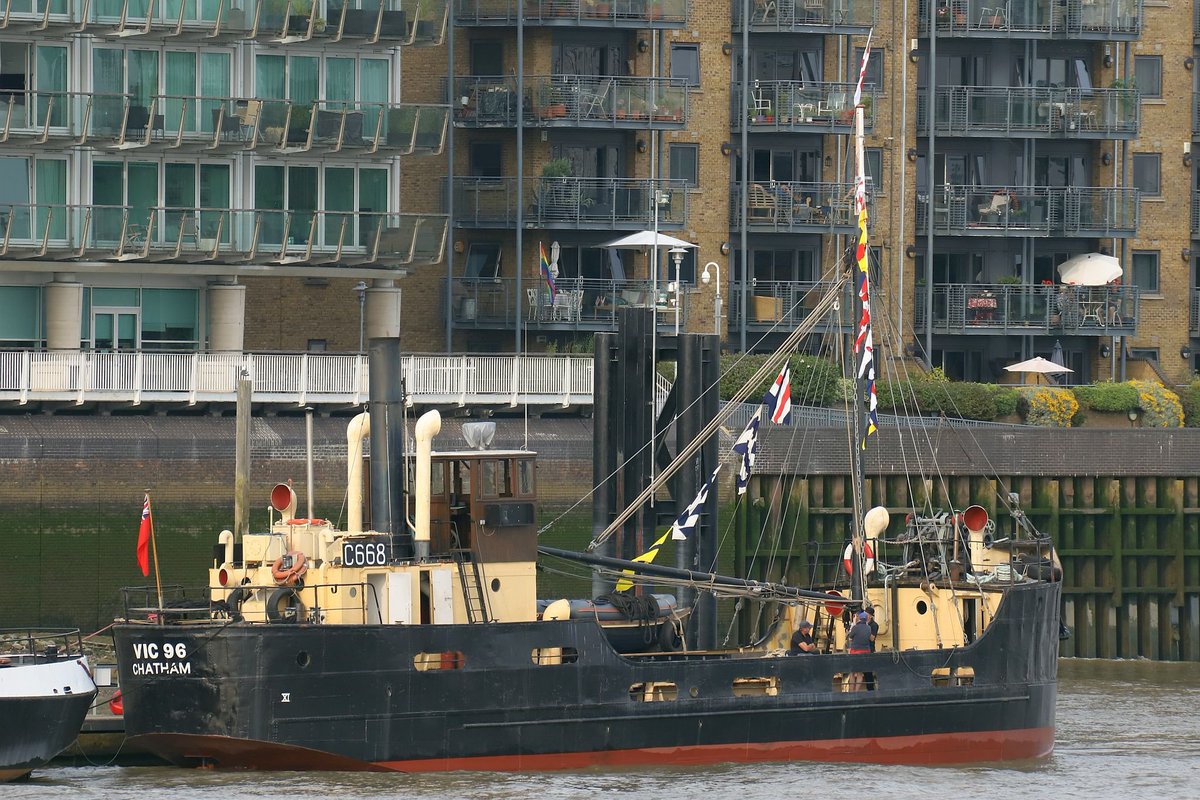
(559, 197)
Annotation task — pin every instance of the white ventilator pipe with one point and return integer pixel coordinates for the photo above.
(356, 432)
(427, 427)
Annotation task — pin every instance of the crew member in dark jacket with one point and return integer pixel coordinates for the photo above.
(802, 640)
(858, 640)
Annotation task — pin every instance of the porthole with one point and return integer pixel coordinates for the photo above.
(922, 607)
(354, 591)
(302, 658)
(495, 584)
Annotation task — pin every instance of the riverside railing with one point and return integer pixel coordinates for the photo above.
(288, 379)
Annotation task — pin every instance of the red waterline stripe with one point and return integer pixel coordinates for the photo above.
(932, 748)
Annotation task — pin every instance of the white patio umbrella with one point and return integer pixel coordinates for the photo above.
(555, 251)
(1090, 269)
(643, 239)
(1039, 366)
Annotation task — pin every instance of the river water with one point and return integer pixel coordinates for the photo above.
(1126, 729)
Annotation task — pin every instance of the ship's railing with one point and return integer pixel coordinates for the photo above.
(39, 643)
(288, 379)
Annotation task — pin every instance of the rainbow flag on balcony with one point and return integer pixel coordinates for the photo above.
(547, 275)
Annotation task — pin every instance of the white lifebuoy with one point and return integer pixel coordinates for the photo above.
(868, 559)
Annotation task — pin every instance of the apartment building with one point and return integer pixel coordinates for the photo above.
(1003, 139)
(159, 157)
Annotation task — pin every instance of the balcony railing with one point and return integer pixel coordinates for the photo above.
(386, 23)
(1037, 210)
(795, 207)
(1075, 19)
(594, 203)
(801, 106)
(782, 305)
(572, 101)
(169, 122)
(292, 379)
(1008, 111)
(588, 13)
(1064, 310)
(227, 236)
(1195, 215)
(389, 23)
(1194, 312)
(578, 304)
(808, 16)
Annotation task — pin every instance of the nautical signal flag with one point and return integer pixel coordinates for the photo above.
(746, 447)
(778, 398)
(681, 528)
(547, 275)
(144, 532)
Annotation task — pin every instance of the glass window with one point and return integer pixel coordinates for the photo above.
(483, 260)
(1147, 173)
(525, 477)
(1144, 353)
(684, 160)
(874, 170)
(170, 319)
(1147, 72)
(486, 160)
(1145, 270)
(20, 324)
(873, 81)
(317, 345)
(685, 63)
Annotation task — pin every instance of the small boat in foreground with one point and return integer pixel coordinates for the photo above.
(46, 689)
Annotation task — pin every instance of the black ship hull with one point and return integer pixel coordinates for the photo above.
(37, 729)
(349, 697)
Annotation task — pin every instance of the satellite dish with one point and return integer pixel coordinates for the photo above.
(479, 435)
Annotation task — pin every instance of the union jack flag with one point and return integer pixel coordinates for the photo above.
(778, 398)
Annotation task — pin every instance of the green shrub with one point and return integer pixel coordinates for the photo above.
(1005, 399)
(815, 381)
(1107, 396)
(1189, 398)
(933, 394)
(1160, 406)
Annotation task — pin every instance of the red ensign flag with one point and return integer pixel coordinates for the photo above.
(143, 546)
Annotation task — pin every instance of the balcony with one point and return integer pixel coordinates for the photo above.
(990, 309)
(573, 101)
(49, 17)
(991, 112)
(579, 304)
(795, 207)
(583, 203)
(808, 16)
(1029, 211)
(1194, 312)
(199, 124)
(389, 23)
(222, 236)
(1093, 20)
(801, 107)
(288, 379)
(1196, 215)
(783, 305)
(621, 14)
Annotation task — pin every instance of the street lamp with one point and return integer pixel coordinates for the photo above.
(361, 289)
(706, 278)
(677, 254)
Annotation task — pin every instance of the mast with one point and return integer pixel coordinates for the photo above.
(864, 382)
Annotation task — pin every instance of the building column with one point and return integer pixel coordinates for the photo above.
(381, 310)
(226, 317)
(64, 313)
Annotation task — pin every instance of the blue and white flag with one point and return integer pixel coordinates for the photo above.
(685, 523)
(746, 446)
(778, 398)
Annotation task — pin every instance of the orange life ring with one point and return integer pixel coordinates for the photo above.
(313, 521)
(291, 575)
(117, 705)
(868, 559)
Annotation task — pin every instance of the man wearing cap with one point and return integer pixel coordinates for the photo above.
(858, 640)
(802, 640)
